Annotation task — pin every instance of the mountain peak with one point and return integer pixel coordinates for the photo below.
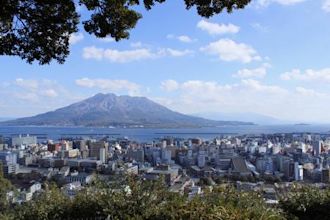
(103, 95)
(119, 111)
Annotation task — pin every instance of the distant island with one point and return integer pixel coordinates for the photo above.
(302, 124)
(110, 110)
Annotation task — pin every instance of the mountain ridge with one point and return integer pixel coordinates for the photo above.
(104, 110)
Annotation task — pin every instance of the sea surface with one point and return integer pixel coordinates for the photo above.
(150, 134)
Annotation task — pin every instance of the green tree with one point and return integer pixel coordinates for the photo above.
(134, 198)
(50, 205)
(5, 186)
(306, 203)
(39, 30)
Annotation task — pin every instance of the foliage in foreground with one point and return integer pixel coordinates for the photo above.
(306, 203)
(136, 199)
(132, 198)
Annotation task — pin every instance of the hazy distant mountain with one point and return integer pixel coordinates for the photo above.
(5, 119)
(118, 111)
(248, 116)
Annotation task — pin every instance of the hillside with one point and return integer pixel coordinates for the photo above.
(118, 111)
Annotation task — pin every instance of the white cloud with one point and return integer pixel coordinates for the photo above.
(30, 96)
(185, 39)
(29, 84)
(50, 93)
(117, 56)
(27, 96)
(264, 3)
(110, 85)
(93, 53)
(178, 53)
(169, 85)
(125, 56)
(259, 72)
(42, 92)
(75, 38)
(309, 92)
(229, 50)
(326, 5)
(258, 86)
(182, 38)
(248, 95)
(107, 39)
(322, 75)
(217, 29)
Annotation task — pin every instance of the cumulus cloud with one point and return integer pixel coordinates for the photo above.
(309, 92)
(259, 72)
(197, 95)
(93, 53)
(117, 56)
(185, 39)
(107, 39)
(50, 93)
(34, 90)
(75, 38)
(42, 93)
(26, 96)
(29, 84)
(169, 85)
(263, 3)
(248, 95)
(217, 29)
(259, 87)
(182, 38)
(229, 50)
(326, 5)
(125, 56)
(178, 53)
(110, 85)
(322, 75)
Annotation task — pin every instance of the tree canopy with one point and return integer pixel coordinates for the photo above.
(39, 30)
(129, 197)
(133, 198)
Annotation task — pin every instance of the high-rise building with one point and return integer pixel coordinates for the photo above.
(9, 162)
(94, 149)
(201, 160)
(289, 169)
(136, 154)
(317, 147)
(24, 140)
(103, 158)
(325, 175)
(265, 165)
(166, 156)
(298, 172)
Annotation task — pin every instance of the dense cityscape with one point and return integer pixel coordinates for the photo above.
(270, 164)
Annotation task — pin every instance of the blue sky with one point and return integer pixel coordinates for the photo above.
(272, 58)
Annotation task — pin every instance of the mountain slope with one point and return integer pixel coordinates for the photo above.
(244, 116)
(119, 111)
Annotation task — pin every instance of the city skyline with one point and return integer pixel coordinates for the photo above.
(269, 58)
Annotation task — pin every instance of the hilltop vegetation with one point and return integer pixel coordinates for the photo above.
(132, 198)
